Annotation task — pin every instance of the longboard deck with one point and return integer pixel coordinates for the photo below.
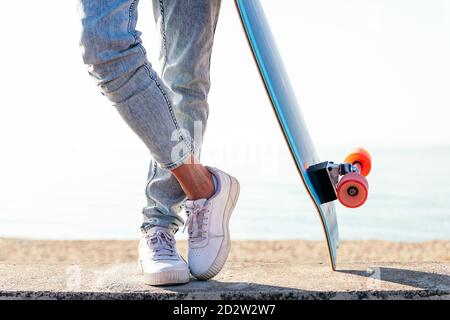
(287, 110)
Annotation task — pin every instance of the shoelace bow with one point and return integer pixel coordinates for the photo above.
(162, 242)
(196, 222)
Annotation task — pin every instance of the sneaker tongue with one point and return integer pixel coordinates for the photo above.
(191, 204)
(161, 240)
(153, 230)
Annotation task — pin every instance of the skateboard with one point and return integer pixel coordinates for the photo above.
(326, 181)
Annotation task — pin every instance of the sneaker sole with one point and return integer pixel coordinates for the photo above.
(224, 251)
(165, 278)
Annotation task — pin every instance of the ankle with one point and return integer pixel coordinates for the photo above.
(195, 180)
(201, 187)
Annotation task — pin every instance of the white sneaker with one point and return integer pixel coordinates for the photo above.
(209, 234)
(159, 260)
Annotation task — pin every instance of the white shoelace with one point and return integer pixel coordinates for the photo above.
(162, 243)
(197, 221)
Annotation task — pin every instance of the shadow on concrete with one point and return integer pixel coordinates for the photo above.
(123, 282)
(428, 285)
(412, 278)
(214, 289)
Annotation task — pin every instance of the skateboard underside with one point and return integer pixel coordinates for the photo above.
(287, 111)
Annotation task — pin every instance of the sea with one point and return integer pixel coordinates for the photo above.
(101, 196)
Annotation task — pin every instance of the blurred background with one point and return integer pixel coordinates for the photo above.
(372, 73)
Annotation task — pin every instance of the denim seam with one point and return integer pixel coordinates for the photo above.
(130, 17)
(175, 164)
(166, 99)
(178, 162)
(152, 176)
(133, 34)
(144, 52)
(163, 31)
(216, 18)
(174, 120)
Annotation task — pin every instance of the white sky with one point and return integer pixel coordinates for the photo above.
(379, 71)
(366, 72)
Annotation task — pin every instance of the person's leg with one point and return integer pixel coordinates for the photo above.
(187, 35)
(187, 29)
(165, 194)
(111, 47)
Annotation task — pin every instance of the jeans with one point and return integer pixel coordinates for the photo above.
(167, 112)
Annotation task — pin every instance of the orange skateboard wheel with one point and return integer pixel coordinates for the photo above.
(353, 190)
(360, 158)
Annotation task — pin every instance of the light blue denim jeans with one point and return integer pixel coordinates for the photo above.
(165, 111)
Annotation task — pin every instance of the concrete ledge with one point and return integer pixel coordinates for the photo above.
(238, 280)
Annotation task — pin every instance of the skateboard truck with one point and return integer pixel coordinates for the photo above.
(345, 181)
